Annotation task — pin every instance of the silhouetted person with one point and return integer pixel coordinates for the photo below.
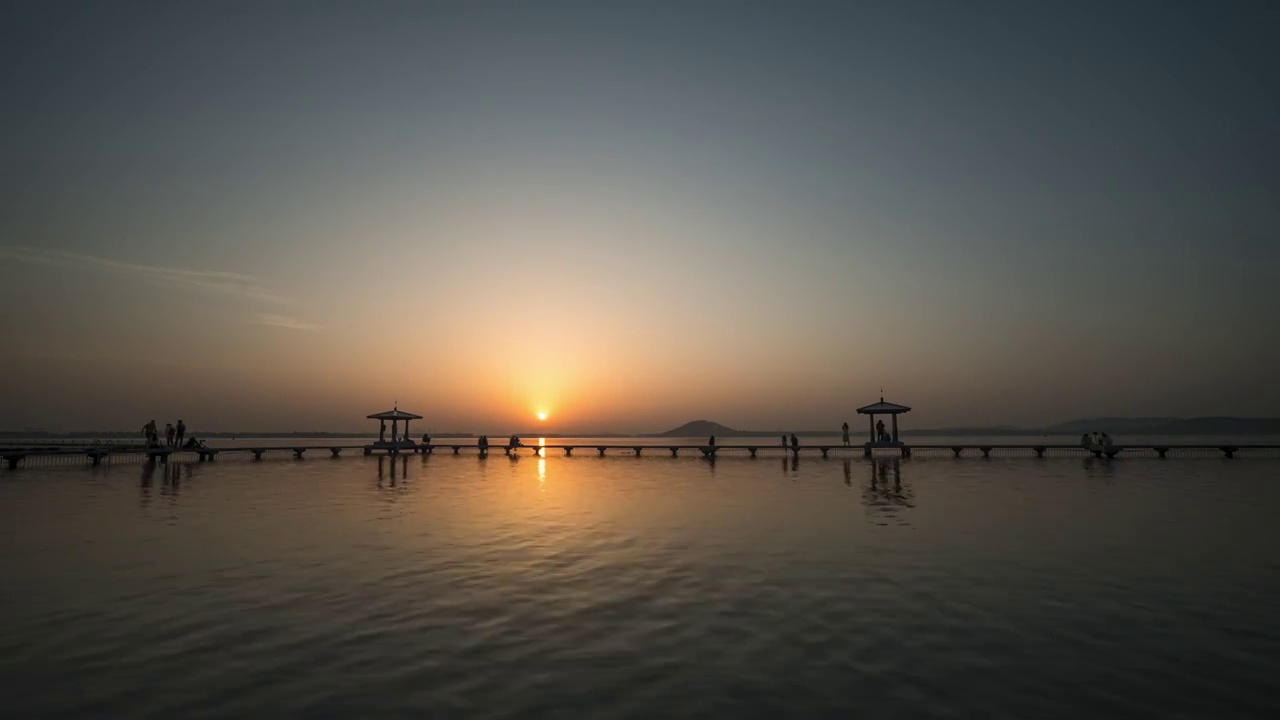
(844, 433)
(880, 434)
(1084, 440)
(1106, 439)
(513, 443)
(1097, 440)
(483, 443)
(784, 441)
(795, 442)
(426, 439)
(181, 432)
(712, 441)
(168, 435)
(149, 432)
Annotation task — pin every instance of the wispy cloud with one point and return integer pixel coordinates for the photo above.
(225, 283)
(283, 321)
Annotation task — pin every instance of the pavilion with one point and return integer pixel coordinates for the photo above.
(883, 408)
(398, 439)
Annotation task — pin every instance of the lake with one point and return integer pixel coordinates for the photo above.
(637, 587)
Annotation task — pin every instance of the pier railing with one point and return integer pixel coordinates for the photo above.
(43, 454)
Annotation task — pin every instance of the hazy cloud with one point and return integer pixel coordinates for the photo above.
(283, 321)
(225, 283)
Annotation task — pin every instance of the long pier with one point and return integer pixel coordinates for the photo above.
(14, 457)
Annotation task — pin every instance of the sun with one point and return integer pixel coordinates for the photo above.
(542, 416)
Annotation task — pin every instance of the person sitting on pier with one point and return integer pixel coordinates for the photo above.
(1084, 440)
(513, 443)
(483, 444)
(1105, 440)
(711, 442)
(426, 439)
(195, 444)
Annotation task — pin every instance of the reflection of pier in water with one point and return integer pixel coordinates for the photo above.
(885, 497)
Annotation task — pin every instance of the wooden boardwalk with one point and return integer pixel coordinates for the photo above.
(15, 457)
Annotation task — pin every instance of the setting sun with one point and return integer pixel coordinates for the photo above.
(542, 416)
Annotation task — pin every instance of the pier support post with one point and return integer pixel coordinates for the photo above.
(753, 452)
(824, 452)
(675, 452)
(13, 460)
(1162, 451)
(1229, 451)
(601, 451)
(367, 452)
(456, 448)
(1112, 453)
(986, 452)
(957, 451)
(164, 458)
(568, 451)
(866, 450)
(96, 457)
(537, 450)
(297, 453)
(257, 454)
(906, 451)
(426, 449)
(1039, 451)
(335, 451)
(637, 448)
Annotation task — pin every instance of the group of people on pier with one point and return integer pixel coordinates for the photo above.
(483, 443)
(173, 434)
(1097, 438)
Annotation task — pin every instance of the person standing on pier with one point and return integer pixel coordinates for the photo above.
(169, 433)
(844, 433)
(784, 441)
(149, 432)
(795, 443)
(880, 433)
(181, 432)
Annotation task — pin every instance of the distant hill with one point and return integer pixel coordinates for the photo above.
(699, 428)
(1172, 426)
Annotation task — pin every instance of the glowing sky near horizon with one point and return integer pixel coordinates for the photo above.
(630, 215)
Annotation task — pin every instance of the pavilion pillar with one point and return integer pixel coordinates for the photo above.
(406, 429)
(872, 433)
(382, 431)
(394, 425)
(895, 427)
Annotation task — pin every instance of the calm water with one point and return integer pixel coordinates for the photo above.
(451, 586)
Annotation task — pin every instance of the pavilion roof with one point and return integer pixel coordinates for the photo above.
(883, 408)
(395, 414)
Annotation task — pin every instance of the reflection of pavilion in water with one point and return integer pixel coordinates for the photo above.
(387, 468)
(885, 496)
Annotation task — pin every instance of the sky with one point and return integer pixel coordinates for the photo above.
(288, 215)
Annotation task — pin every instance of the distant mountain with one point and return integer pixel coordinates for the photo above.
(699, 428)
(1172, 426)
